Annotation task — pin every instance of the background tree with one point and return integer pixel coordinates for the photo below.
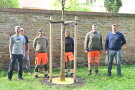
(113, 6)
(9, 4)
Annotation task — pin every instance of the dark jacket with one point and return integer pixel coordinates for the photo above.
(69, 44)
(114, 41)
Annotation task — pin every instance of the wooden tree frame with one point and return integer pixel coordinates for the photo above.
(63, 27)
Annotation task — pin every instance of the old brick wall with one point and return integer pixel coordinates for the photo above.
(32, 20)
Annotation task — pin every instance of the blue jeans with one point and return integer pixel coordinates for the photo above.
(117, 55)
(12, 63)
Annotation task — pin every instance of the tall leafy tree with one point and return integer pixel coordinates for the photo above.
(9, 4)
(113, 5)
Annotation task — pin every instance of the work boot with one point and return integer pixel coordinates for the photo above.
(89, 72)
(46, 76)
(71, 74)
(66, 74)
(35, 76)
(9, 79)
(20, 78)
(97, 73)
(109, 74)
(119, 74)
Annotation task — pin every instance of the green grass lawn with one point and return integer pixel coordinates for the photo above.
(93, 82)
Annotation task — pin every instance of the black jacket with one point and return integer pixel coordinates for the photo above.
(69, 44)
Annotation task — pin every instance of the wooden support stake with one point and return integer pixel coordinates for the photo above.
(62, 70)
(51, 48)
(75, 48)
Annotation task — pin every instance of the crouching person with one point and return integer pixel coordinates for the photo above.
(40, 45)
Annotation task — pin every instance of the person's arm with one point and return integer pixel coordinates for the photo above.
(101, 42)
(23, 46)
(72, 44)
(46, 42)
(47, 45)
(107, 44)
(86, 42)
(28, 46)
(23, 49)
(10, 48)
(34, 43)
(123, 40)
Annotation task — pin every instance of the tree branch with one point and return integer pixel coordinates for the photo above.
(60, 1)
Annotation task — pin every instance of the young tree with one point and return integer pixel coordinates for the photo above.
(71, 5)
(9, 4)
(113, 6)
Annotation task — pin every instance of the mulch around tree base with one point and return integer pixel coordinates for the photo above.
(80, 81)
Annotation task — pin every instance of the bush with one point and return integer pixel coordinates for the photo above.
(113, 5)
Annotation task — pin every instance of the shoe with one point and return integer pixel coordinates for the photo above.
(20, 78)
(35, 76)
(71, 74)
(29, 73)
(89, 72)
(9, 79)
(119, 75)
(66, 74)
(97, 73)
(109, 74)
(46, 76)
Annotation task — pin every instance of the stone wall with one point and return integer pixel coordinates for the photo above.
(32, 20)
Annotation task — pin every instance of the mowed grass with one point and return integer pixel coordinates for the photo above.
(93, 82)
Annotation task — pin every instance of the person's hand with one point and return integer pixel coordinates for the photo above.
(86, 51)
(106, 52)
(23, 55)
(11, 56)
(100, 52)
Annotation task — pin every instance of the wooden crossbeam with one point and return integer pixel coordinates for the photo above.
(56, 21)
(70, 23)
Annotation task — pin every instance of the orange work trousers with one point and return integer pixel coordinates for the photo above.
(94, 56)
(69, 56)
(41, 57)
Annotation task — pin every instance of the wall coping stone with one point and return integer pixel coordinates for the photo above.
(43, 11)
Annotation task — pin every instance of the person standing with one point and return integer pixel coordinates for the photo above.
(40, 45)
(69, 57)
(17, 52)
(26, 58)
(114, 42)
(93, 46)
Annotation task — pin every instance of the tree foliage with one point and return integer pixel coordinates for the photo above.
(9, 4)
(71, 5)
(113, 5)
